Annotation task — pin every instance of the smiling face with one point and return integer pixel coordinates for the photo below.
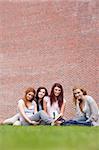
(29, 96)
(41, 93)
(78, 94)
(57, 91)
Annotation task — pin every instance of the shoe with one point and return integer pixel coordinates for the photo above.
(53, 123)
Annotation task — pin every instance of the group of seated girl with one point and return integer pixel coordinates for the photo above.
(44, 109)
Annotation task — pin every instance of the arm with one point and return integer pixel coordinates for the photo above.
(46, 103)
(61, 111)
(21, 106)
(94, 110)
(35, 108)
(45, 106)
(63, 108)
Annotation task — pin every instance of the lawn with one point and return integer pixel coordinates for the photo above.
(49, 138)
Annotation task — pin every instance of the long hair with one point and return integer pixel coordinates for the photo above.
(37, 98)
(59, 98)
(30, 89)
(83, 91)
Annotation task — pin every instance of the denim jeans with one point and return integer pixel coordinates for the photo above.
(39, 116)
(80, 122)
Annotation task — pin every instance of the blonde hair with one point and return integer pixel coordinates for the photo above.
(83, 91)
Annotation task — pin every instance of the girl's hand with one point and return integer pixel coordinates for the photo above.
(34, 123)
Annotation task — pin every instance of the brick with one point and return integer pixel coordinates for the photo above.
(43, 42)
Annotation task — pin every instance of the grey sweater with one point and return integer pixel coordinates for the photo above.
(90, 110)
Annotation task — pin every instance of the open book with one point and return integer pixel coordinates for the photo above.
(56, 119)
(58, 116)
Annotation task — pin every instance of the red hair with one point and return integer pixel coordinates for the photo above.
(30, 89)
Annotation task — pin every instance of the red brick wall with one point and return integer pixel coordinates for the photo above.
(47, 41)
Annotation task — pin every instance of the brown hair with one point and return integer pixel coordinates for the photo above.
(37, 98)
(59, 98)
(30, 89)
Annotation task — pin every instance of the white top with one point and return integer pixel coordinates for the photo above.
(90, 110)
(28, 111)
(52, 110)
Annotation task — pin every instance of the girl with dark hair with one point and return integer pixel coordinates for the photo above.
(40, 94)
(54, 104)
(86, 109)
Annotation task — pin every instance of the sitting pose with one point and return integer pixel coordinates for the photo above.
(54, 104)
(27, 108)
(41, 92)
(86, 109)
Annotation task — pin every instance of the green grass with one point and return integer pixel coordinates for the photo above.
(49, 138)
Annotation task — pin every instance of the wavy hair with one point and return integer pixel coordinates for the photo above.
(59, 98)
(81, 89)
(37, 98)
(30, 89)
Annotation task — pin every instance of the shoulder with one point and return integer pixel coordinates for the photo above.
(33, 102)
(46, 98)
(90, 99)
(20, 102)
(64, 100)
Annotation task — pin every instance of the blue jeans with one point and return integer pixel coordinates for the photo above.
(80, 122)
(39, 116)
